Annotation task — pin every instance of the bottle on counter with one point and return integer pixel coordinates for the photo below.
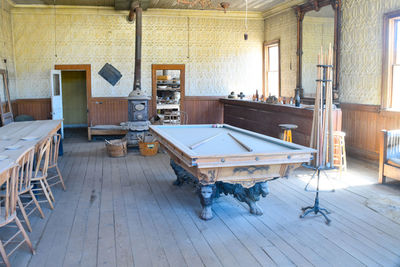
(297, 98)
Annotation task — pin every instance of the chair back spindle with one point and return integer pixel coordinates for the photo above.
(25, 173)
(54, 149)
(43, 155)
(9, 192)
(393, 143)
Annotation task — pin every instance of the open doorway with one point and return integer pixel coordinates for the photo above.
(77, 93)
(74, 99)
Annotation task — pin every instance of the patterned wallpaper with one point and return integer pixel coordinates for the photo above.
(317, 32)
(284, 27)
(361, 49)
(209, 46)
(217, 58)
(6, 45)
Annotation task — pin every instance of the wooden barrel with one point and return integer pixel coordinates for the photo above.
(117, 148)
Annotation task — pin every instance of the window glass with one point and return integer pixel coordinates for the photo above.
(396, 87)
(56, 84)
(397, 40)
(273, 56)
(272, 71)
(273, 83)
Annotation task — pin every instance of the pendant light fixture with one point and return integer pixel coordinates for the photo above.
(246, 36)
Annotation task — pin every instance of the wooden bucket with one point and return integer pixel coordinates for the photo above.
(117, 148)
(148, 149)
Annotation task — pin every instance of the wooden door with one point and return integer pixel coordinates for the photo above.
(56, 98)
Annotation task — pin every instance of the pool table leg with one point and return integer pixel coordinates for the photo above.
(248, 195)
(207, 195)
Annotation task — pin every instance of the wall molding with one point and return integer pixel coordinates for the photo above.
(101, 10)
(202, 98)
(361, 107)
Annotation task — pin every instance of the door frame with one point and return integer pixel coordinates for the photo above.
(154, 68)
(87, 69)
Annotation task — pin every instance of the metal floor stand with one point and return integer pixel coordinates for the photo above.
(316, 208)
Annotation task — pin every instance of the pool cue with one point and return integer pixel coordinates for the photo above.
(240, 143)
(331, 145)
(203, 141)
(319, 114)
(326, 112)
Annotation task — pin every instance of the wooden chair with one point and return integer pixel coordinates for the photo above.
(40, 172)
(389, 155)
(53, 162)
(339, 151)
(8, 211)
(24, 186)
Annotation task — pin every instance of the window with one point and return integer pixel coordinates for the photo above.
(391, 63)
(396, 67)
(272, 69)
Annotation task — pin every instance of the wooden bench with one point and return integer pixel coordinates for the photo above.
(105, 130)
(389, 155)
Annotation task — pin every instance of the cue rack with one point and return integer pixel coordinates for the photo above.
(322, 131)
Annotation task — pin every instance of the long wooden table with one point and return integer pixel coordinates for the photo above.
(13, 133)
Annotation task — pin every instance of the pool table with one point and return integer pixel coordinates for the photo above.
(224, 159)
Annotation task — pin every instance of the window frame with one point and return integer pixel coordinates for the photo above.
(266, 66)
(389, 56)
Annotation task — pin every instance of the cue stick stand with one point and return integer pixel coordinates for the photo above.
(321, 131)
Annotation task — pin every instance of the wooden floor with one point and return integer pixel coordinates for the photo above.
(126, 212)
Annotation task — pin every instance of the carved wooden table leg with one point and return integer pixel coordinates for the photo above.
(248, 195)
(207, 195)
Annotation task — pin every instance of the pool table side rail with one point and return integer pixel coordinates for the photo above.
(235, 161)
(186, 158)
(191, 158)
(159, 130)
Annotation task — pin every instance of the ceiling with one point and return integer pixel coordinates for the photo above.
(237, 5)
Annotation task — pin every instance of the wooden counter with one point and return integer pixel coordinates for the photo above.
(264, 118)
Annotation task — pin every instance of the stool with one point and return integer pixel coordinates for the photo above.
(287, 131)
(339, 151)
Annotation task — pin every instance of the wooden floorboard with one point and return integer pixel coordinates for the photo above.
(126, 212)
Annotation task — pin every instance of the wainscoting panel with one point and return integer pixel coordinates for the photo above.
(38, 108)
(204, 109)
(108, 110)
(363, 124)
(113, 110)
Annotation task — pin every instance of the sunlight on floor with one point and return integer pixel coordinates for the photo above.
(356, 175)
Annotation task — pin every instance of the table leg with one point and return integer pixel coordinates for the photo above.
(248, 195)
(207, 195)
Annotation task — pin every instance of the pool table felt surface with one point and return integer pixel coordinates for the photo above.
(185, 136)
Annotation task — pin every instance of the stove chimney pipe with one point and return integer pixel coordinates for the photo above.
(136, 10)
